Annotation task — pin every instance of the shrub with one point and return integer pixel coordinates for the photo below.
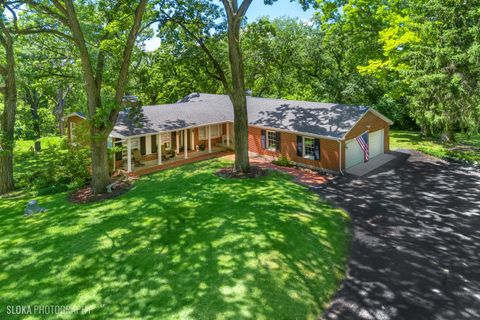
(283, 162)
(56, 168)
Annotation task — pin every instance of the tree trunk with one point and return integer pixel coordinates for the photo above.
(238, 96)
(34, 100)
(7, 118)
(100, 169)
(241, 132)
(59, 111)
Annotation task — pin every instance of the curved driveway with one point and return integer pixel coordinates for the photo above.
(416, 247)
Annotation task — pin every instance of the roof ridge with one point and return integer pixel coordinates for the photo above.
(281, 99)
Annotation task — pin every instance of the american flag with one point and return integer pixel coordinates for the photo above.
(363, 142)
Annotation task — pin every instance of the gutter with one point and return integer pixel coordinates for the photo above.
(340, 157)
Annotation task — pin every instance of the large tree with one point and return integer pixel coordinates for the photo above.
(200, 20)
(169, 72)
(48, 74)
(104, 34)
(235, 14)
(432, 50)
(9, 91)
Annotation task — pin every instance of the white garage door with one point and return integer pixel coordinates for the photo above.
(375, 143)
(354, 154)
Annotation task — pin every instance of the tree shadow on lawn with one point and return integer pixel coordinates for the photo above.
(416, 248)
(182, 243)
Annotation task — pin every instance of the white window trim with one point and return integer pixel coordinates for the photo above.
(135, 141)
(267, 142)
(166, 140)
(202, 133)
(310, 157)
(205, 132)
(219, 131)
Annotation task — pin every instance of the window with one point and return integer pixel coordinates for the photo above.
(271, 140)
(202, 133)
(308, 148)
(134, 142)
(215, 132)
(167, 140)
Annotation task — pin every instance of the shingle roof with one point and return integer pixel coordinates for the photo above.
(77, 114)
(170, 117)
(322, 119)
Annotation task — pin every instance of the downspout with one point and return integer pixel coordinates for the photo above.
(340, 157)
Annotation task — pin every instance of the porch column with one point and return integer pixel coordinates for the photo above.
(129, 155)
(185, 143)
(159, 147)
(177, 138)
(228, 134)
(209, 140)
(113, 155)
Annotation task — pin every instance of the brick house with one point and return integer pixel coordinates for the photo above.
(312, 134)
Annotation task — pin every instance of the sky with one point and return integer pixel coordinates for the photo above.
(258, 9)
(278, 9)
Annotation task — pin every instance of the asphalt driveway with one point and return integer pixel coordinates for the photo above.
(416, 247)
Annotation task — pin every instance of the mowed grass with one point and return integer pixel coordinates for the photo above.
(182, 244)
(466, 148)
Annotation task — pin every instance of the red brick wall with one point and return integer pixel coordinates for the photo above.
(328, 149)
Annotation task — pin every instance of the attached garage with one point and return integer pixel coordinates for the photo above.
(354, 154)
(376, 143)
(377, 127)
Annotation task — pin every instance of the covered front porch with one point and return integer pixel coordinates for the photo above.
(152, 166)
(163, 149)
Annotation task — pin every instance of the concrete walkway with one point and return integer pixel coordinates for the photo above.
(302, 176)
(363, 168)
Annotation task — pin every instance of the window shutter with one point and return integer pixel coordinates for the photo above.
(264, 139)
(174, 139)
(118, 155)
(143, 147)
(317, 149)
(154, 143)
(279, 140)
(299, 146)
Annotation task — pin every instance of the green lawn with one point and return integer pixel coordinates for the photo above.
(466, 148)
(182, 244)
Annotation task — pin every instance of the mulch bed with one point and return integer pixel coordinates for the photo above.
(230, 173)
(86, 195)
